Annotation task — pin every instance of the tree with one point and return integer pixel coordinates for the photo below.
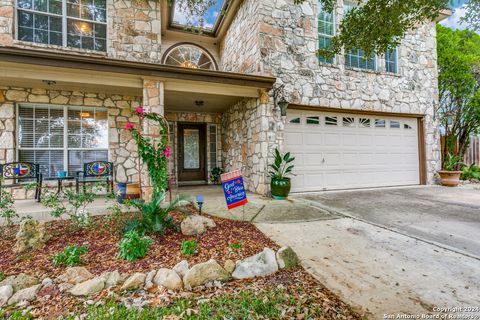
(459, 87)
(472, 16)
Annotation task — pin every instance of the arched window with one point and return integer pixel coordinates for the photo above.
(189, 56)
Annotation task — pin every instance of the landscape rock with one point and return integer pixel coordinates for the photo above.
(195, 225)
(149, 279)
(5, 293)
(25, 295)
(47, 282)
(20, 281)
(181, 268)
(135, 281)
(75, 275)
(169, 279)
(88, 287)
(205, 272)
(259, 265)
(229, 266)
(64, 287)
(31, 235)
(287, 258)
(112, 279)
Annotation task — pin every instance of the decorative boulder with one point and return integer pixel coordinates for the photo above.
(88, 287)
(149, 279)
(229, 266)
(27, 294)
(203, 273)
(287, 258)
(169, 279)
(20, 282)
(181, 268)
(112, 279)
(134, 282)
(195, 225)
(30, 236)
(5, 293)
(259, 265)
(75, 275)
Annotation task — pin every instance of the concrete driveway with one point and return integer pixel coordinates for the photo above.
(393, 251)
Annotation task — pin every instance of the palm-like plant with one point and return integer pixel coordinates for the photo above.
(282, 166)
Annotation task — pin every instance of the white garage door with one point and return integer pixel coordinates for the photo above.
(342, 151)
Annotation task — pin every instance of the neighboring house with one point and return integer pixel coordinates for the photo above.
(71, 71)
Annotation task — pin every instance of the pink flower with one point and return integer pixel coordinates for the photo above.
(140, 111)
(167, 152)
(129, 126)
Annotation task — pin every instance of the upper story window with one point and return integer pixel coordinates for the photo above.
(189, 56)
(68, 23)
(391, 61)
(326, 31)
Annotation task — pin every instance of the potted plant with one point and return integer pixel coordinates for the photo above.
(450, 175)
(281, 184)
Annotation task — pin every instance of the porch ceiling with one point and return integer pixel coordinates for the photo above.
(184, 101)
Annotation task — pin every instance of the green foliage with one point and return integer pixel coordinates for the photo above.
(188, 247)
(7, 211)
(71, 204)
(215, 175)
(452, 162)
(471, 172)
(2, 276)
(154, 216)
(133, 246)
(282, 167)
(15, 315)
(70, 256)
(472, 16)
(459, 87)
(234, 244)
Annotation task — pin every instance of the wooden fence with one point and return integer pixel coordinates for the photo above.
(473, 153)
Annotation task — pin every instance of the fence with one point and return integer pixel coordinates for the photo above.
(473, 152)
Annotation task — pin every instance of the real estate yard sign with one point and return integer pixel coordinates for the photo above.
(234, 189)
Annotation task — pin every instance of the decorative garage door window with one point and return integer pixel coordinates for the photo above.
(62, 138)
(189, 56)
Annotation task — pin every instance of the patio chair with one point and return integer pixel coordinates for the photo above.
(95, 172)
(22, 173)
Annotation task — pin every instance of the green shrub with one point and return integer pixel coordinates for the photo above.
(2, 276)
(471, 172)
(234, 244)
(7, 210)
(133, 246)
(188, 247)
(70, 256)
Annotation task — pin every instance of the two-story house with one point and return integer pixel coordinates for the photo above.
(71, 72)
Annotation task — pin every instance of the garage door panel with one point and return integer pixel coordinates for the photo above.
(352, 154)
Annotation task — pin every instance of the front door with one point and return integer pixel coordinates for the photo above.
(192, 152)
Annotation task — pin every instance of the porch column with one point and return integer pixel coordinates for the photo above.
(153, 101)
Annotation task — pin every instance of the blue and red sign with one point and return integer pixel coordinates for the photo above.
(234, 189)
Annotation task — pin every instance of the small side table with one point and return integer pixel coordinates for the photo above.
(60, 181)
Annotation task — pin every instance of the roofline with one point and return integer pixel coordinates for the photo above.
(444, 14)
(75, 61)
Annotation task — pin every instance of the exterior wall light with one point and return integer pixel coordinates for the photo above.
(280, 101)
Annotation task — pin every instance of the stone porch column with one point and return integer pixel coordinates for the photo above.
(153, 101)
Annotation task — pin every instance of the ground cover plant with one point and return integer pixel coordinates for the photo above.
(133, 246)
(70, 256)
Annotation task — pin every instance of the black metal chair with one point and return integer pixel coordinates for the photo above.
(95, 172)
(22, 173)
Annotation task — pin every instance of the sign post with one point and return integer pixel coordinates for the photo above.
(234, 189)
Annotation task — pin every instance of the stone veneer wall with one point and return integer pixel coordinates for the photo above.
(251, 132)
(122, 148)
(287, 44)
(133, 31)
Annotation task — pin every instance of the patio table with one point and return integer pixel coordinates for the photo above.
(60, 181)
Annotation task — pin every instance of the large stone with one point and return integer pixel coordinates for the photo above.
(259, 265)
(286, 258)
(134, 282)
(149, 279)
(195, 225)
(169, 279)
(30, 236)
(27, 294)
(203, 273)
(181, 268)
(5, 293)
(229, 266)
(75, 275)
(112, 279)
(19, 282)
(88, 287)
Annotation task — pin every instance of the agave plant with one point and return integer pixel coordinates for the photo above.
(282, 166)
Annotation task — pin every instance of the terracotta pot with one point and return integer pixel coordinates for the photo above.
(450, 178)
(280, 188)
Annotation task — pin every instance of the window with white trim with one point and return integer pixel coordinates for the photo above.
(326, 31)
(391, 61)
(62, 138)
(68, 23)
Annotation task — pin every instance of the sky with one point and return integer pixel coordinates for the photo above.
(210, 16)
(453, 22)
